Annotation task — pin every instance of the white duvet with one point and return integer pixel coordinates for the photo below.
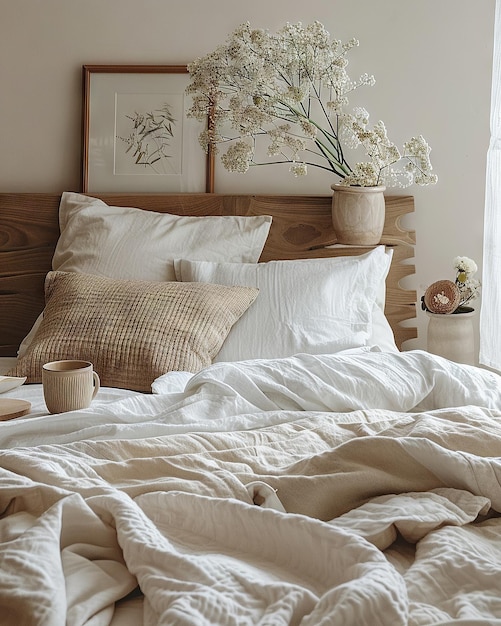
(355, 489)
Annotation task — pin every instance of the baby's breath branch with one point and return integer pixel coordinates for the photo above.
(291, 88)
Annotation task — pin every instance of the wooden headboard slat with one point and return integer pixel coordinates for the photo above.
(396, 208)
(301, 228)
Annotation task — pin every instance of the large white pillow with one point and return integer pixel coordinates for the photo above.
(382, 333)
(129, 243)
(133, 244)
(316, 306)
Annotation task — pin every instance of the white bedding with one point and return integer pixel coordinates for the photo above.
(378, 476)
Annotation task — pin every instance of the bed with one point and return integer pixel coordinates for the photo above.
(280, 459)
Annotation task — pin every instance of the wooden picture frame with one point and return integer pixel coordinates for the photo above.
(136, 134)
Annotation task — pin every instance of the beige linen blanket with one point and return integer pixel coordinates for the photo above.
(356, 516)
(391, 519)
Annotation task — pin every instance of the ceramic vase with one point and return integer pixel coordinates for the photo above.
(452, 336)
(358, 214)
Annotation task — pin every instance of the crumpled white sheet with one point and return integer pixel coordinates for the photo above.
(253, 394)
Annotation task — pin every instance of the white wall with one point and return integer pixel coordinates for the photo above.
(432, 60)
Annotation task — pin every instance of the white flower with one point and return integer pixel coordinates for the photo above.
(291, 88)
(465, 264)
(363, 174)
(299, 169)
(469, 288)
(238, 157)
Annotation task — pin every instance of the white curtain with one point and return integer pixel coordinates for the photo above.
(490, 312)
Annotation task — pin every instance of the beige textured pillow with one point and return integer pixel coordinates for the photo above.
(132, 331)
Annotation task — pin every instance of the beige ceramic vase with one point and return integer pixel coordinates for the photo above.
(452, 336)
(358, 214)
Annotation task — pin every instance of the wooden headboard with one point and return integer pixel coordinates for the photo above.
(301, 228)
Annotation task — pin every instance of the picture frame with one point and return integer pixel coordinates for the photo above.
(136, 134)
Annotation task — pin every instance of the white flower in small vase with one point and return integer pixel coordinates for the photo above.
(446, 296)
(447, 304)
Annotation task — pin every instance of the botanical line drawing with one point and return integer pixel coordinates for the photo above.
(149, 140)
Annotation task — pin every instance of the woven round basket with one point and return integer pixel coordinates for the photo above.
(442, 297)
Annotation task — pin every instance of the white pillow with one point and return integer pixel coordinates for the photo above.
(316, 306)
(133, 244)
(382, 333)
(130, 243)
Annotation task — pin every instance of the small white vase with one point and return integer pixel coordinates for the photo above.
(452, 336)
(358, 214)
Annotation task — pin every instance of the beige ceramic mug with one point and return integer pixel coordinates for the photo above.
(69, 385)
